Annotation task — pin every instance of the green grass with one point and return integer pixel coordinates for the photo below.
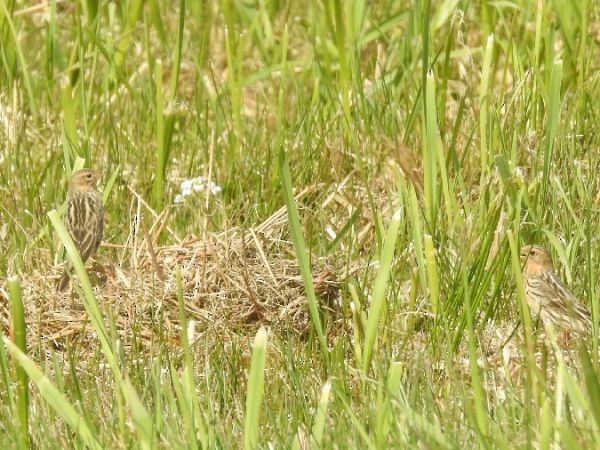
(475, 122)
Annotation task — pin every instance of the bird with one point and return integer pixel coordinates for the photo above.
(84, 216)
(547, 296)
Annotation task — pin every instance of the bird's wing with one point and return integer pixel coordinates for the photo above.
(564, 301)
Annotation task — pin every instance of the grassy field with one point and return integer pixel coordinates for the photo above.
(313, 215)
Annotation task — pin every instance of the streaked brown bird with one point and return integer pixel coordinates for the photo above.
(549, 298)
(84, 216)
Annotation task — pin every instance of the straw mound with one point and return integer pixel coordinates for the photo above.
(230, 280)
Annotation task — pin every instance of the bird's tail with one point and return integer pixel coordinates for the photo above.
(63, 282)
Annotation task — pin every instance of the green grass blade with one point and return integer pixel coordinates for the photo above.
(133, 12)
(551, 122)
(321, 417)
(254, 393)
(196, 426)
(108, 187)
(414, 219)
(341, 43)
(234, 75)
(177, 60)
(19, 332)
(301, 252)
(158, 187)
(523, 306)
(379, 299)
(433, 278)
(484, 102)
(430, 156)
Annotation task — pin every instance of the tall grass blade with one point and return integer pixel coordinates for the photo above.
(321, 416)
(379, 299)
(344, 77)
(430, 151)
(195, 425)
(228, 9)
(433, 277)
(551, 123)
(133, 11)
(386, 393)
(414, 219)
(484, 105)
(19, 334)
(254, 393)
(177, 60)
(523, 306)
(301, 252)
(158, 187)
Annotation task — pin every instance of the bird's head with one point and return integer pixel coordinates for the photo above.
(84, 179)
(536, 259)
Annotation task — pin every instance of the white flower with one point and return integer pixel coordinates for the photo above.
(198, 184)
(186, 184)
